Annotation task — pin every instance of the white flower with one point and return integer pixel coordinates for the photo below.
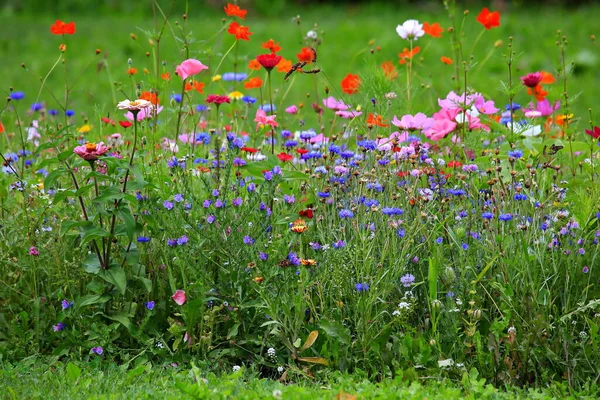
(396, 313)
(236, 368)
(410, 29)
(271, 352)
(390, 95)
(404, 305)
(256, 156)
(512, 330)
(531, 130)
(280, 369)
(278, 394)
(135, 105)
(311, 34)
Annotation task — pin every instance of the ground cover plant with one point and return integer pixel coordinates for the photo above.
(248, 203)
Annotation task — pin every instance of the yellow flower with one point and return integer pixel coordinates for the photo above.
(216, 78)
(299, 226)
(85, 129)
(236, 95)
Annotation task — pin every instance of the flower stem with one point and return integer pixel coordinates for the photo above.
(271, 104)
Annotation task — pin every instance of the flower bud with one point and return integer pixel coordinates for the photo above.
(436, 305)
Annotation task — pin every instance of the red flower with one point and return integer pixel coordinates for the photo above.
(595, 133)
(235, 11)
(308, 213)
(62, 28)
(306, 55)
(195, 85)
(125, 124)
(284, 157)
(253, 83)
(301, 151)
(376, 120)
(217, 99)
(240, 32)
(447, 60)
(268, 61)
(108, 121)
(271, 46)
(489, 19)
(532, 80)
(434, 30)
(250, 150)
(254, 65)
(284, 65)
(350, 84)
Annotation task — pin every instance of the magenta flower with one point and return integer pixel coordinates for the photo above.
(333, 104)
(262, 119)
(144, 113)
(453, 100)
(91, 151)
(348, 114)
(533, 79)
(179, 297)
(320, 138)
(485, 107)
(542, 109)
(292, 109)
(33, 251)
(440, 129)
(189, 68)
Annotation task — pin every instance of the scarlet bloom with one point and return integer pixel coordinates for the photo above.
(489, 19)
(547, 77)
(306, 55)
(376, 120)
(125, 124)
(195, 85)
(308, 213)
(106, 120)
(271, 46)
(253, 83)
(151, 97)
(268, 61)
(531, 80)
(594, 133)
(240, 32)
(301, 151)
(434, 30)
(538, 91)
(250, 150)
(1, 128)
(217, 99)
(447, 60)
(284, 65)
(389, 70)
(166, 76)
(284, 157)
(235, 11)
(350, 84)
(62, 28)
(408, 54)
(132, 71)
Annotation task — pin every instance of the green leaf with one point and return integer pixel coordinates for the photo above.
(115, 275)
(91, 232)
(65, 154)
(129, 222)
(93, 299)
(233, 331)
(122, 318)
(433, 278)
(73, 372)
(336, 331)
(91, 265)
(53, 177)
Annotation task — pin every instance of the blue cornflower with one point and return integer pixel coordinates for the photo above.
(176, 97)
(150, 305)
(520, 196)
(66, 304)
(168, 205)
(347, 154)
(321, 170)
(345, 213)
(53, 112)
(251, 187)
(465, 246)
(172, 242)
(268, 175)
(487, 215)
(267, 108)
(201, 108)
(143, 239)
(210, 219)
(367, 144)
(248, 240)
(361, 287)
(505, 217)
(17, 95)
(70, 113)
(514, 107)
(249, 100)
(516, 154)
(37, 106)
(59, 327)
(291, 143)
(401, 232)
(392, 211)
(263, 256)
(182, 240)
(439, 240)
(340, 244)
(178, 198)
(407, 280)
(98, 350)
(202, 137)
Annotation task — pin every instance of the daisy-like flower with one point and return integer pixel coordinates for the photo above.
(135, 105)
(91, 151)
(410, 29)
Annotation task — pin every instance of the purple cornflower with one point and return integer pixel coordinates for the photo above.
(465, 246)
(168, 205)
(263, 256)
(98, 350)
(361, 287)
(407, 280)
(58, 327)
(248, 240)
(182, 240)
(143, 239)
(150, 305)
(66, 304)
(172, 242)
(345, 213)
(290, 199)
(237, 201)
(210, 219)
(439, 240)
(178, 198)
(505, 217)
(340, 244)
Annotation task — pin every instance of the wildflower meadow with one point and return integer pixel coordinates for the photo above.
(264, 208)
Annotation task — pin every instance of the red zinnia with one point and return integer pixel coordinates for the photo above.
(240, 32)
(251, 150)
(235, 11)
(62, 28)
(532, 80)
(217, 99)
(268, 61)
(489, 19)
(350, 84)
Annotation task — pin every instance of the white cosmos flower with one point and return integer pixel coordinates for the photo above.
(135, 105)
(531, 130)
(410, 29)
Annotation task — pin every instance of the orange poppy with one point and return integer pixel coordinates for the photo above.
(389, 70)
(240, 32)
(166, 76)
(235, 11)
(547, 77)
(538, 91)
(253, 83)
(132, 71)
(254, 64)
(284, 65)
(271, 46)
(376, 120)
(62, 28)
(306, 55)
(447, 60)
(489, 19)
(195, 85)
(407, 54)
(151, 97)
(434, 30)
(350, 84)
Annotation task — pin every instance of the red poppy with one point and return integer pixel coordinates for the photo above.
(595, 132)
(306, 55)
(271, 46)
(408, 54)
(125, 124)
(284, 157)
(235, 11)
(268, 61)
(454, 164)
(308, 213)
(240, 32)
(538, 91)
(301, 151)
(350, 84)
(1, 128)
(389, 70)
(489, 19)
(253, 83)
(217, 99)
(250, 150)
(434, 30)
(62, 28)
(108, 121)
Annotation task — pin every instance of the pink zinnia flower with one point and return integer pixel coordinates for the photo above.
(262, 119)
(91, 151)
(179, 297)
(189, 68)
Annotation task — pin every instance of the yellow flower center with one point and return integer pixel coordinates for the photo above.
(90, 146)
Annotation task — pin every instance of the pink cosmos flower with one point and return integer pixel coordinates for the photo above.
(144, 113)
(188, 138)
(543, 107)
(348, 114)
(320, 138)
(292, 109)
(262, 119)
(189, 68)
(485, 107)
(453, 100)
(419, 121)
(169, 144)
(440, 129)
(32, 133)
(91, 151)
(333, 104)
(179, 297)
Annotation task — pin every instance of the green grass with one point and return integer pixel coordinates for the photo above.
(32, 379)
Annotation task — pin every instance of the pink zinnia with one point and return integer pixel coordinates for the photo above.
(217, 99)
(91, 151)
(189, 68)
(179, 297)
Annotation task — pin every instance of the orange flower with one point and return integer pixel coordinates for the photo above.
(350, 84)
(151, 97)
(538, 91)
(547, 77)
(240, 32)
(308, 262)
(132, 71)
(447, 60)
(195, 85)
(166, 76)
(434, 30)
(284, 65)
(389, 70)
(62, 28)
(560, 119)
(235, 11)
(254, 64)
(1, 128)
(299, 226)
(306, 55)
(376, 120)
(253, 83)
(407, 54)
(489, 19)
(271, 46)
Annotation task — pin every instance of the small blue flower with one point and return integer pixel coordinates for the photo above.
(249, 100)
(168, 205)
(59, 327)
(53, 112)
(66, 304)
(150, 305)
(465, 246)
(439, 240)
(248, 240)
(178, 198)
(36, 106)
(505, 217)
(182, 240)
(267, 108)
(17, 95)
(345, 213)
(69, 113)
(143, 239)
(98, 350)
(407, 280)
(176, 97)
